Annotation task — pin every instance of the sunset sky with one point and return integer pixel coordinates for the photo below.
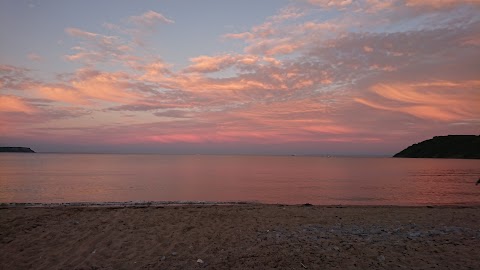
(245, 76)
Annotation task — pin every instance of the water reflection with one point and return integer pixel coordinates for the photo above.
(270, 179)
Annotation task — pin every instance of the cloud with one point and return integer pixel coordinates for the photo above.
(441, 101)
(366, 71)
(138, 107)
(119, 49)
(62, 93)
(75, 32)
(439, 4)
(243, 35)
(207, 64)
(137, 29)
(150, 19)
(14, 78)
(97, 47)
(34, 57)
(15, 104)
(274, 47)
(277, 38)
(174, 114)
(288, 13)
(89, 87)
(377, 5)
(154, 69)
(331, 3)
(106, 86)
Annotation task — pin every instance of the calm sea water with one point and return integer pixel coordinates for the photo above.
(270, 179)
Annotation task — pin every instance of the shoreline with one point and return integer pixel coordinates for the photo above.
(210, 203)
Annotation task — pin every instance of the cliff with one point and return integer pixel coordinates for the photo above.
(451, 146)
(16, 150)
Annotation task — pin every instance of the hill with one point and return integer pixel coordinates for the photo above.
(451, 146)
(16, 150)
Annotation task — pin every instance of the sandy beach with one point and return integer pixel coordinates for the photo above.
(244, 236)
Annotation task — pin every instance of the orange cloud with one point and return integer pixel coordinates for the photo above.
(88, 86)
(442, 101)
(439, 3)
(15, 104)
(155, 69)
(424, 112)
(104, 86)
(206, 63)
(63, 93)
(273, 46)
(367, 49)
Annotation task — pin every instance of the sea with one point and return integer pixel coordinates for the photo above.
(62, 178)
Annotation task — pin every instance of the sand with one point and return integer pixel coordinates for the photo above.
(247, 236)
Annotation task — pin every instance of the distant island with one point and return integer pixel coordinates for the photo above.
(451, 146)
(16, 149)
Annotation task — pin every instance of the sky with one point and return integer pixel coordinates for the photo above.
(366, 77)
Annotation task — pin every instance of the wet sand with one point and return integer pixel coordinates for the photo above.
(243, 236)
